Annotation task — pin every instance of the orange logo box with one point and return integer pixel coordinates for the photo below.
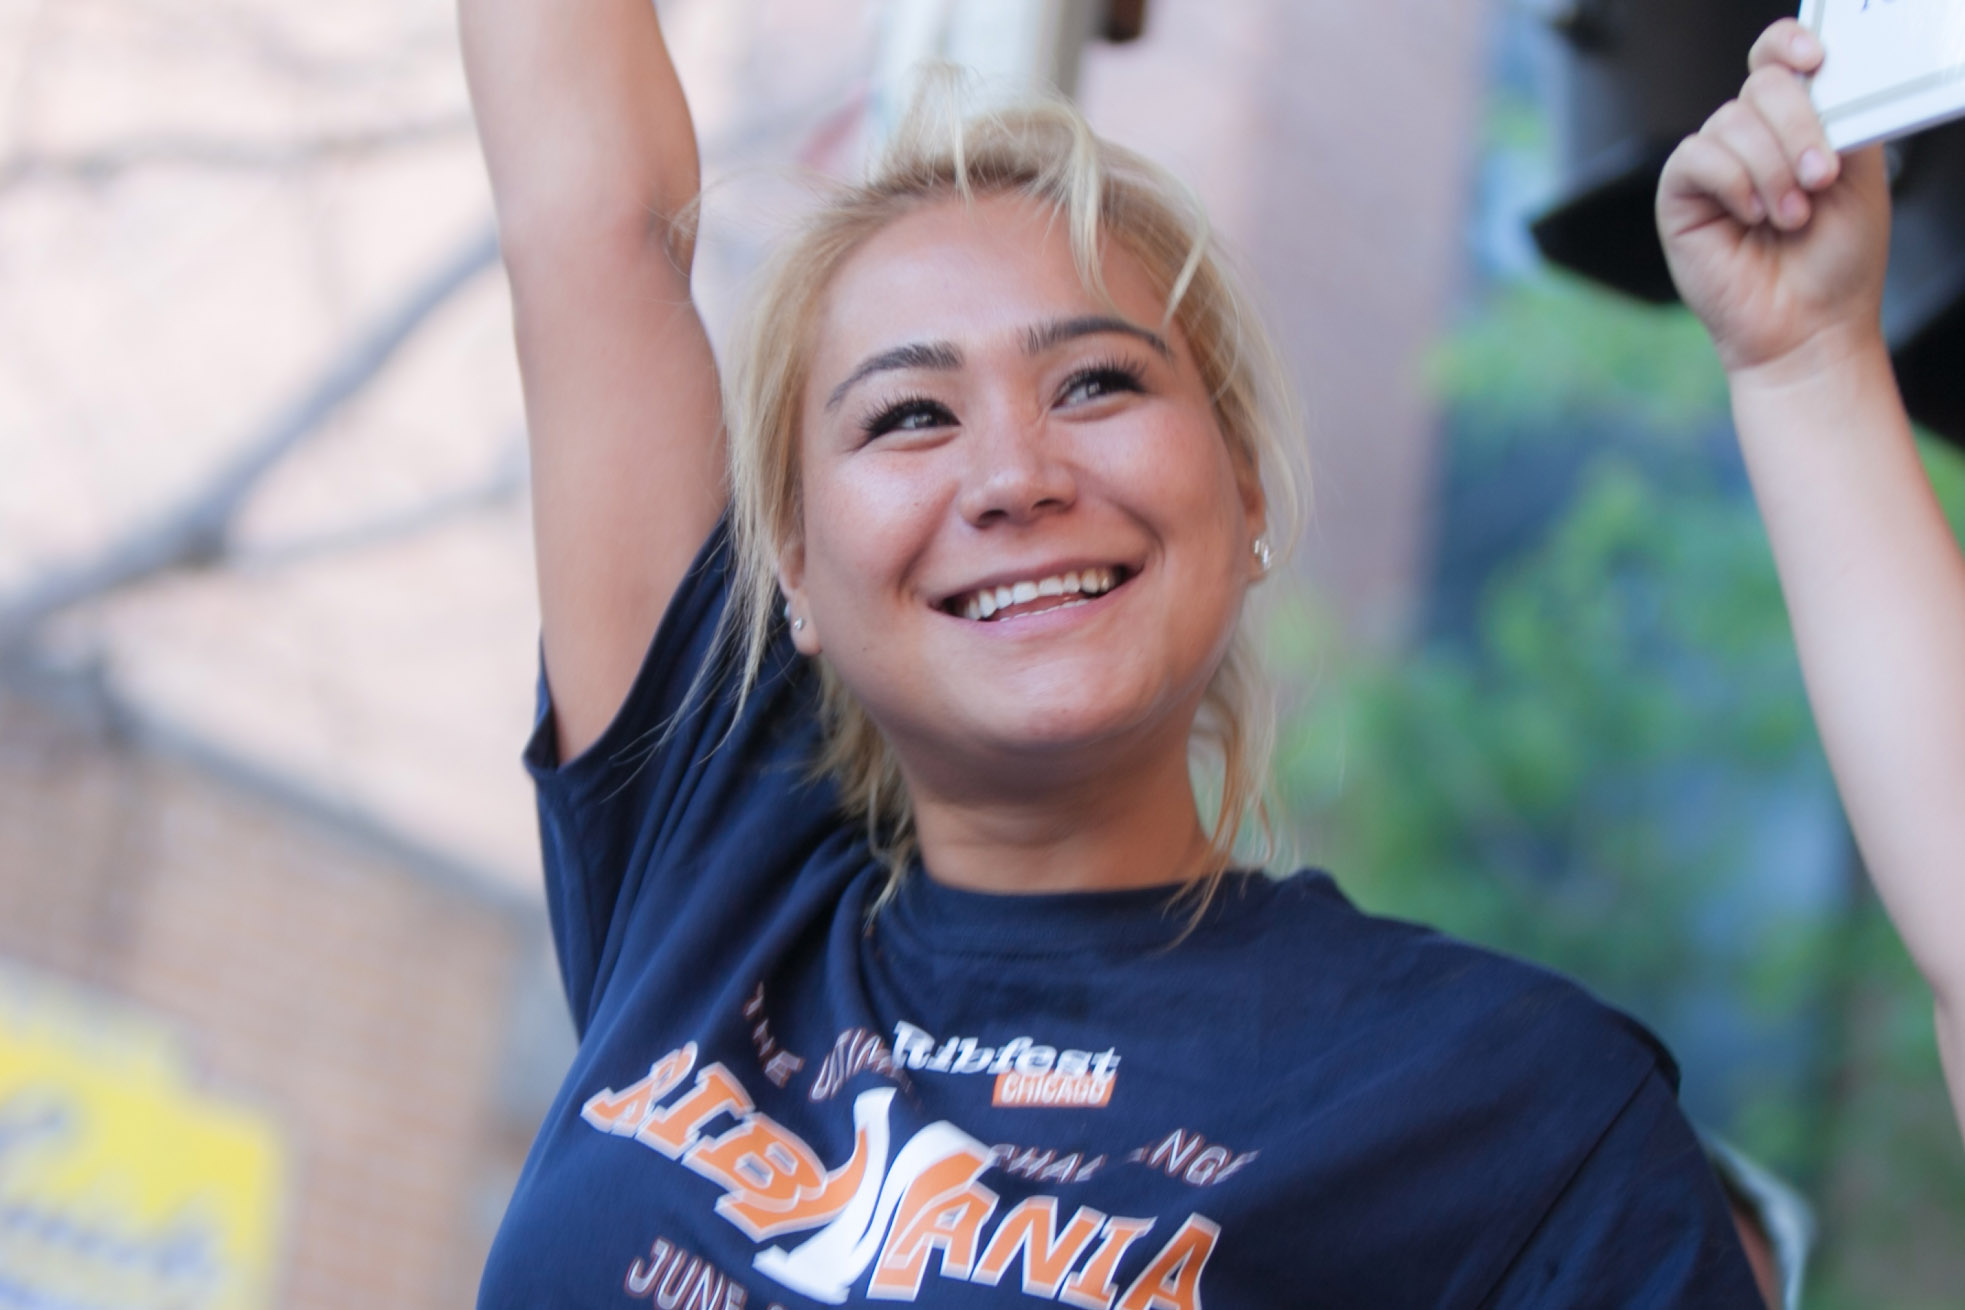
(1061, 1090)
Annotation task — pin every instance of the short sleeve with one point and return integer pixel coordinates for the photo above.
(686, 761)
(1643, 1223)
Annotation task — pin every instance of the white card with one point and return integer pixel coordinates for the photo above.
(1893, 67)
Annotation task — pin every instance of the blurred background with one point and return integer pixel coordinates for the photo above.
(278, 1015)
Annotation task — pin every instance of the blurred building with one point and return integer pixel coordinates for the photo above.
(344, 1001)
(261, 809)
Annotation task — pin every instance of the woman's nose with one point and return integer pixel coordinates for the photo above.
(1015, 473)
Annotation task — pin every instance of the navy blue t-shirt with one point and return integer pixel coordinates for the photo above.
(968, 1099)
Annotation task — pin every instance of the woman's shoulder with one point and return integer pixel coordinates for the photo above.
(699, 799)
(1415, 993)
(1457, 1090)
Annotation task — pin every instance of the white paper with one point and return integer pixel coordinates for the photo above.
(1894, 66)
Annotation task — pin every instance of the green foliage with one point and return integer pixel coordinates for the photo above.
(1946, 468)
(1514, 125)
(1518, 791)
(1552, 354)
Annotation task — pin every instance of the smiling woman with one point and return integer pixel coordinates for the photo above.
(900, 947)
(1044, 374)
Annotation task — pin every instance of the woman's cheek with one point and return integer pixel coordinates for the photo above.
(864, 526)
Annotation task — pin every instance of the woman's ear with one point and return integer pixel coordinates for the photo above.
(791, 583)
(1255, 509)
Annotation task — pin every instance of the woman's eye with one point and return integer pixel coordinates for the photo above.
(909, 416)
(1098, 383)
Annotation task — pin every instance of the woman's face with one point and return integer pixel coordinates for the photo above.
(1025, 541)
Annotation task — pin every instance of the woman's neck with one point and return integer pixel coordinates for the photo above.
(1129, 824)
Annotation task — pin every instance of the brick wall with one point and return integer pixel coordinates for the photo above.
(360, 1000)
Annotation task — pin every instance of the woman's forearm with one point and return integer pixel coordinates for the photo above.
(1875, 587)
(585, 129)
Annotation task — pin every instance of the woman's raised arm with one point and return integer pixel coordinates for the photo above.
(592, 155)
(1781, 249)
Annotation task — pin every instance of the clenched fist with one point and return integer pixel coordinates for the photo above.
(1778, 245)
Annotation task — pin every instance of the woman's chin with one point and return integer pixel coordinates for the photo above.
(1072, 734)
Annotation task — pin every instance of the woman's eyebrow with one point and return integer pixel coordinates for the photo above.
(943, 355)
(1044, 336)
(920, 354)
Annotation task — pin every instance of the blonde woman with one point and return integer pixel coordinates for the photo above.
(905, 963)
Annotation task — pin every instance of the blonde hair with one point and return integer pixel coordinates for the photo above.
(1043, 151)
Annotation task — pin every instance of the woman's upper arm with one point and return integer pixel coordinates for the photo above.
(627, 468)
(592, 156)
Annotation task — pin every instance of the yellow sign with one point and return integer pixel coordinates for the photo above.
(121, 1183)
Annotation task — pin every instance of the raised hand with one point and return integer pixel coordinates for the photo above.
(1777, 244)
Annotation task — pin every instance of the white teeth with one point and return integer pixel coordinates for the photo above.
(989, 601)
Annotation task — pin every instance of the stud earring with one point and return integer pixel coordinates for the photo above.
(1264, 556)
(798, 625)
